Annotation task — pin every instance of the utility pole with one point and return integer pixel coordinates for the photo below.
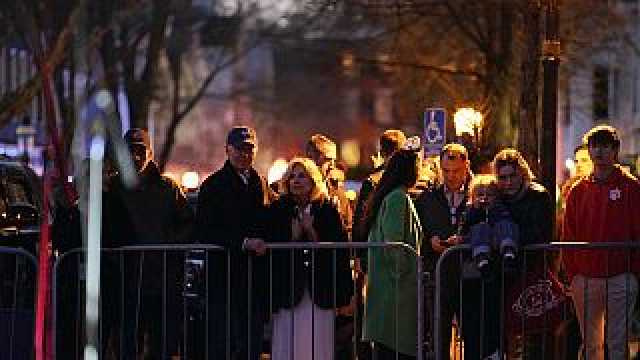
(550, 64)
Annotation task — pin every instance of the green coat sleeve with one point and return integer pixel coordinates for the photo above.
(394, 214)
(394, 225)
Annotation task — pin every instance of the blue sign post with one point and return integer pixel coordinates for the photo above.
(435, 130)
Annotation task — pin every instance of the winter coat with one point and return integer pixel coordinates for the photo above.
(311, 270)
(532, 211)
(603, 212)
(228, 211)
(391, 303)
(154, 212)
(436, 220)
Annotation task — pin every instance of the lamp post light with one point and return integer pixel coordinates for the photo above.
(468, 121)
(551, 52)
(468, 125)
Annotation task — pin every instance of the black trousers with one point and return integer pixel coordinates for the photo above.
(480, 317)
(449, 301)
(235, 326)
(381, 352)
(153, 308)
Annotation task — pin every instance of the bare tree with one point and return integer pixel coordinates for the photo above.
(487, 54)
(125, 42)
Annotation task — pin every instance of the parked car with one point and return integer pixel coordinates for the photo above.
(20, 204)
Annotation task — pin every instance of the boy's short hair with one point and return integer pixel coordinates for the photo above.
(602, 135)
(482, 180)
(579, 148)
(454, 151)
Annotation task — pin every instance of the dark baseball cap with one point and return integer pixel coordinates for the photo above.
(240, 135)
(137, 136)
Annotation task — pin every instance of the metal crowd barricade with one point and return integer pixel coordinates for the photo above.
(126, 292)
(532, 308)
(351, 247)
(207, 296)
(18, 278)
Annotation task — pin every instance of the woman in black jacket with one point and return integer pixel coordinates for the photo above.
(308, 284)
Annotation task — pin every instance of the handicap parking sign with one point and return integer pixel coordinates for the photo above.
(434, 131)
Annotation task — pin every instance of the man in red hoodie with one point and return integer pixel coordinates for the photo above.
(603, 207)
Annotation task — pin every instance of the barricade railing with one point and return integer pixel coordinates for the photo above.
(357, 318)
(134, 281)
(526, 310)
(206, 299)
(18, 278)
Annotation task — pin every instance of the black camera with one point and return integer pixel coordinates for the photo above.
(194, 274)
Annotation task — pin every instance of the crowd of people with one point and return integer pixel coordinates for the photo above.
(305, 294)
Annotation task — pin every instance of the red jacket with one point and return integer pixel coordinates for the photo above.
(606, 211)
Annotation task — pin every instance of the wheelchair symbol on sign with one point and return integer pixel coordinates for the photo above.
(432, 132)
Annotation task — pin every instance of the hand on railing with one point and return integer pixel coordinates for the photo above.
(255, 245)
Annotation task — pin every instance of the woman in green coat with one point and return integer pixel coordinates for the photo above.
(390, 319)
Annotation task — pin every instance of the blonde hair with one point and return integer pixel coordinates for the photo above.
(319, 190)
(454, 151)
(322, 144)
(483, 180)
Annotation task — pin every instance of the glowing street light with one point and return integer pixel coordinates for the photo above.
(277, 170)
(467, 121)
(190, 180)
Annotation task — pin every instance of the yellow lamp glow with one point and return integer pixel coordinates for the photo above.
(277, 170)
(190, 179)
(467, 120)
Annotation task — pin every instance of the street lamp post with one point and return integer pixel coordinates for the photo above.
(468, 121)
(550, 64)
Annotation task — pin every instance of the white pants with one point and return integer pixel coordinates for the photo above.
(605, 303)
(304, 332)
